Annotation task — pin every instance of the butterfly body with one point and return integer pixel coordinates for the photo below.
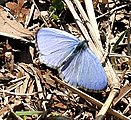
(80, 47)
(76, 63)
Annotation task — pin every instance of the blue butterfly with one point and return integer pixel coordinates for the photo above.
(74, 60)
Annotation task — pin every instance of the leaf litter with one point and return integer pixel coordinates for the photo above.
(29, 90)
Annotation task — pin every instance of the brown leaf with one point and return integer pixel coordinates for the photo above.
(13, 7)
(101, 1)
(1, 75)
(12, 27)
(18, 11)
(60, 105)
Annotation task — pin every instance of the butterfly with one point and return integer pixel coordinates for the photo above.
(76, 63)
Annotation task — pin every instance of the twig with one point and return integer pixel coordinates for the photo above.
(30, 15)
(82, 27)
(80, 93)
(128, 35)
(37, 79)
(123, 74)
(117, 8)
(11, 110)
(119, 55)
(18, 79)
(106, 105)
(113, 79)
(94, 35)
(14, 114)
(15, 37)
(123, 92)
(92, 100)
(92, 18)
(21, 94)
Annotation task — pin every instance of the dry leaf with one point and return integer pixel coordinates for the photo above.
(100, 1)
(12, 27)
(16, 9)
(60, 105)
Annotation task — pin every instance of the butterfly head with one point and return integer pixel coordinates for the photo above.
(82, 45)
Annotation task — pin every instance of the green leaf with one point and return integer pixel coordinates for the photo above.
(23, 113)
(52, 8)
(119, 40)
(58, 6)
(56, 1)
(55, 17)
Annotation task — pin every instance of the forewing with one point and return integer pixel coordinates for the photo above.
(55, 45)
(86, 71)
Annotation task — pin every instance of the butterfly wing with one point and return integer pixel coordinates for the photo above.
(54, 46)
(85, 70)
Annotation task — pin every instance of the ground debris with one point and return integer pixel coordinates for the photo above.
(30, 90)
